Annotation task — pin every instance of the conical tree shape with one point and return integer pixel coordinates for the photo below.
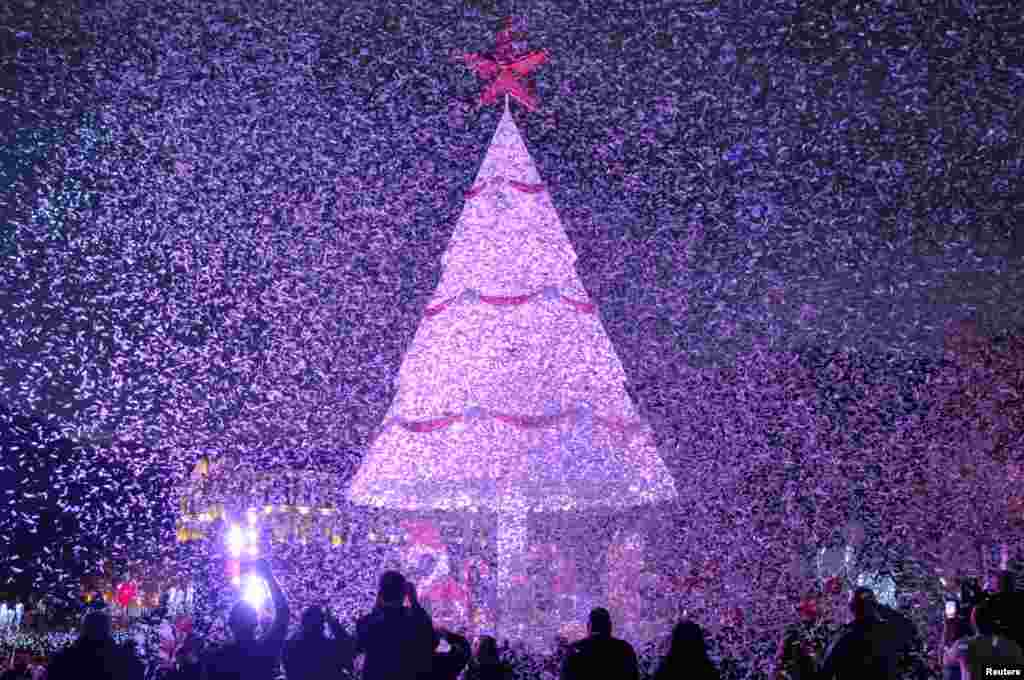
(511, 397)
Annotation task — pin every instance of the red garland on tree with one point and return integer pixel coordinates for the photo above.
(505, 68)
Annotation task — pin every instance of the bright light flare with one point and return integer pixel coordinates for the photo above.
(254, 542)
(255, 591)
(235, 540)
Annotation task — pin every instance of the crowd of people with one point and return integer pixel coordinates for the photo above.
(397, 640)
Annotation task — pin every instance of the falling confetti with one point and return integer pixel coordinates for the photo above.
(233, 232)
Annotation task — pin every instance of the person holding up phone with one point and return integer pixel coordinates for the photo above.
(398, 640)
(248, 656)
(310, 654)
(447, 665)
(870, 646)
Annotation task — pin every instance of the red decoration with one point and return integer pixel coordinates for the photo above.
(472, 193)
(506, 300)
(585, 307)
(520, 421)
(528, 421)
(447, 590)
(733, 617)
(424, 533)
(476, 191)
(126, 592)
(1017, 510)
(431, 425)
(183, 625)
(833, 585)
(809, 609)
(437, 309)
(506, 69)
(525, 187)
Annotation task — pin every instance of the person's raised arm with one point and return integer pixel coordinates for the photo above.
(361, 635)
(345, 642)
(410, 594)
(833, 657)
(953, 655)
(136, 669)
(204, 669)
(569, 664)
(900, 621)
(279, 629)
(633, 664)
(414, 604)
(337, 630)
(460, 645)
(425, 627)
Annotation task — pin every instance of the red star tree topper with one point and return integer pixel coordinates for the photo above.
(506, 68)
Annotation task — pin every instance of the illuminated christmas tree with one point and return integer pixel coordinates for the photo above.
(511, 398)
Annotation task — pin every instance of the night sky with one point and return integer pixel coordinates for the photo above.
(191, 185)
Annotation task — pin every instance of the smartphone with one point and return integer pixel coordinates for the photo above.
(950, 609)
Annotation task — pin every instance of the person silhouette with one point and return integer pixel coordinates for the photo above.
(448, 665)
(486, 663)
(248, 656)
(95, 654)
(867, 648)
(397, 641)
(600, 654)
(188, 660)
(310, 654)
(687, 655)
